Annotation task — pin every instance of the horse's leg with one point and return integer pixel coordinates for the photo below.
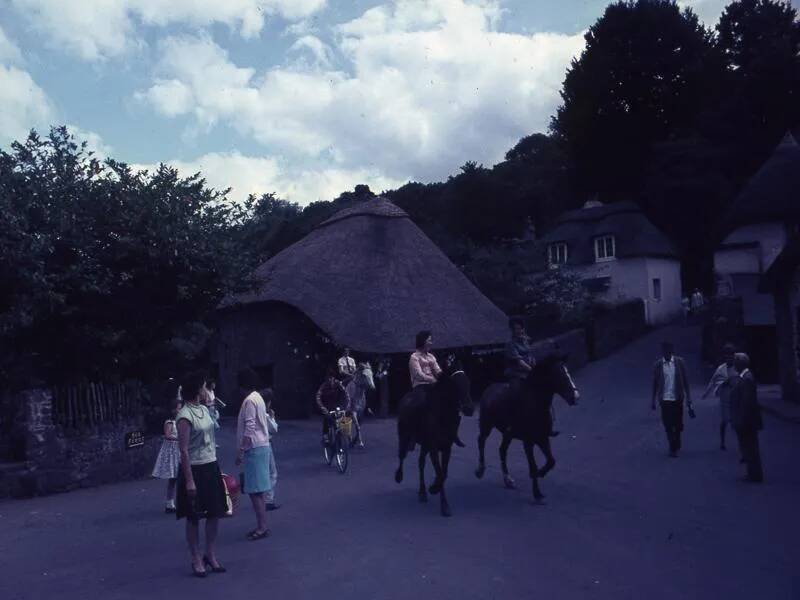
(534, 470)
(550, 461)
(445, 505)
(358, 428)
(423, 493)
(436, 486)
(483, 434)
(507, 480)
(403, 437)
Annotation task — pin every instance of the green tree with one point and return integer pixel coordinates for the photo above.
(108, 272)
(760, 40)
(646, 75)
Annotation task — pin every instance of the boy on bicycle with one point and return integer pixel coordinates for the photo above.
(330, 395)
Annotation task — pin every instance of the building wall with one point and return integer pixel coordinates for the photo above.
(632, 278)
(771, 238)
(275, 336)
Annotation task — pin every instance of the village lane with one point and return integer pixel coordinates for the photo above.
(622, 520)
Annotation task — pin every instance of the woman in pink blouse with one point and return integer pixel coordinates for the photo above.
(252, 434)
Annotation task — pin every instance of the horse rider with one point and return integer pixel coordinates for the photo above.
(330, 395)
(425, 372)
(347, 366)
(520, 362)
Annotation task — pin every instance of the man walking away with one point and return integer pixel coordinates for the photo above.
(746, 417)
(720, 385)
(671, 390)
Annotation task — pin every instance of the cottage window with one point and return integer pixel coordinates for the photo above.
(656, 288)
(605, 248)
(557, 253)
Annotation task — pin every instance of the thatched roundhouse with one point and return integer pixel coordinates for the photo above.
(367, 278)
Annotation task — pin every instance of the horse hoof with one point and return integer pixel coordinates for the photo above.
(435, 488)
(538, 500)
(446, 512)
(423, 498)
(479, 472)
(398, 476)
(510, 483)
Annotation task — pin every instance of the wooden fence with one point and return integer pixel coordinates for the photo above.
(96, 403)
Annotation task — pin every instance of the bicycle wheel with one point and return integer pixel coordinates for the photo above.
(328, 453)
(341, 448)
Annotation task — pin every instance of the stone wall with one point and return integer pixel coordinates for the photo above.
(613, 328)
(58, 459)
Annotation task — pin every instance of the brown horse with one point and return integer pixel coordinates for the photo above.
(435, 427)
(527, 417)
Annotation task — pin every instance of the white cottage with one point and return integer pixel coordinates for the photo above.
(620, 255)
(761, 222)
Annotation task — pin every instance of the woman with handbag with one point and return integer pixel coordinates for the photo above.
(201, 492)
(252, 434)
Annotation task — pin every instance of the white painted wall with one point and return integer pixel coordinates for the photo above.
(633, 278)
(771, 238)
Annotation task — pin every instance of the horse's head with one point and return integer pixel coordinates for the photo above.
(552, 375)
(459, 382)
(365, 376)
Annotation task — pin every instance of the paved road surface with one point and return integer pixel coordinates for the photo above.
(621, 521)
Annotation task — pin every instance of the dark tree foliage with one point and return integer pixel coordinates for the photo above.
(760, 40)
(645, 76)
(107, 272)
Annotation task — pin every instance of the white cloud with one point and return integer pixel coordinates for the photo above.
(9, 53)
(23, 104)
(709, 11)
(258, 175)
(97, 29)
(429, 85)
(94, 141)
(320, 52)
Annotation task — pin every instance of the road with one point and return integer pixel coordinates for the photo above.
(622, 520)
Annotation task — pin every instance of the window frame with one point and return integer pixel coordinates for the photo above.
(600, 241)
(557, 246)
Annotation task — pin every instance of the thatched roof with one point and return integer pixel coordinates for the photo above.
(773, 193)
(370, 279)
(635, 235)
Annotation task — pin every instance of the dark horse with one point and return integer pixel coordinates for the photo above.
(434, 427)
(532, 420)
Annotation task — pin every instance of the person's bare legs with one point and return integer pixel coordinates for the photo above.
(212, 528)
(193, 539)
(260, 509)
(171, 485)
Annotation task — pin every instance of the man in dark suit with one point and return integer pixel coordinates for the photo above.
(746, 417)
(671, 391)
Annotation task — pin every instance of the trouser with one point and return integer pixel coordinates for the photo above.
(748, 442)
(672, 418)
(269, 496)
(327, 422)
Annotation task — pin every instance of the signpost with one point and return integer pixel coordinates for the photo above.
(134, 439)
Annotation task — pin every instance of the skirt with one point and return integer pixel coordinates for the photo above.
(168, 460)
(256, 470)
(210, 502)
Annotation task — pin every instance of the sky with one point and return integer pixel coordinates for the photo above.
(302, 98)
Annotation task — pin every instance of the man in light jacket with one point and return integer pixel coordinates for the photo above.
(671, 391)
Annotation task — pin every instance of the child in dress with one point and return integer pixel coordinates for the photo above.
(272, 425)
(169, 459)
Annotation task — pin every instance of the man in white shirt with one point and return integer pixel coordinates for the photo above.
(671, 390)
(347, 366)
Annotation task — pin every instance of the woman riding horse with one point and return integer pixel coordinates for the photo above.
(527, 417)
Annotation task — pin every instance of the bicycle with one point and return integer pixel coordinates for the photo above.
(337, 449)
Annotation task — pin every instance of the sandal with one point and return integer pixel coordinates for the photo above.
(258, 535)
